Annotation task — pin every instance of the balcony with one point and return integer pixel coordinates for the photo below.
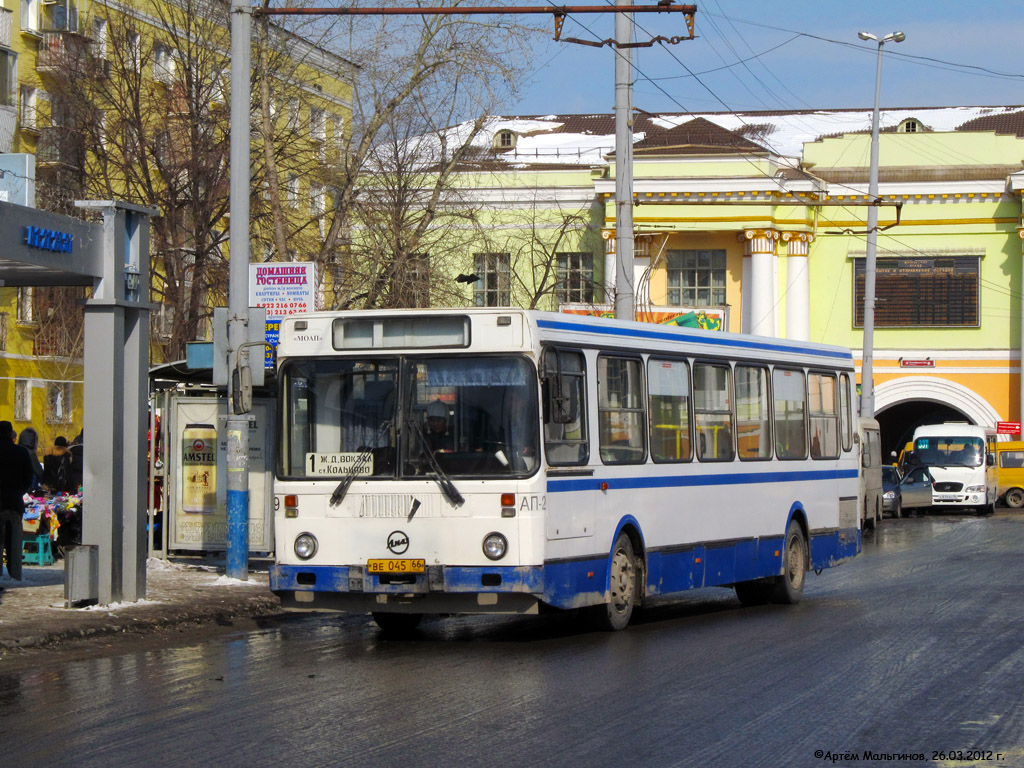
(63, 53)
(60, 148)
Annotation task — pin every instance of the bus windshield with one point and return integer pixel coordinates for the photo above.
(343, 416)
(950, 451)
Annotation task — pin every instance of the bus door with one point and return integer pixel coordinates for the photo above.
(570, 500)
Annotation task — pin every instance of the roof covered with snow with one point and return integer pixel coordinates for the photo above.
(560, 141)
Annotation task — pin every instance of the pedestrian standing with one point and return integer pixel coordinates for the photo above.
(29, 440)
(77, 449)
(15, 479)
(57, 467)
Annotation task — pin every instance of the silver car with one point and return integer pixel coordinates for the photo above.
(916, 489)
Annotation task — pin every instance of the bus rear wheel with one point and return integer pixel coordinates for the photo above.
(789, 587)
(622, 586)
(754, 592)
(397, 624)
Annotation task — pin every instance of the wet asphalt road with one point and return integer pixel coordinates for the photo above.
(915, 647)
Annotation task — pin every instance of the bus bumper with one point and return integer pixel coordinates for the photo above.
(441, 589)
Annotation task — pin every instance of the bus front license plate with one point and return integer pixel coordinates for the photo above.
(398, 565)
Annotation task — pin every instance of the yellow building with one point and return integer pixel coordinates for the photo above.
(129, 102)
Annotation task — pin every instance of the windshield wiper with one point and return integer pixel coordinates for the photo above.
(445, 482)
(357, 465)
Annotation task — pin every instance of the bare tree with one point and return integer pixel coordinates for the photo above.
(416, 77)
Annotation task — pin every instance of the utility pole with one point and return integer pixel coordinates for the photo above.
(867, 384)
(238, 291)
(624, 289)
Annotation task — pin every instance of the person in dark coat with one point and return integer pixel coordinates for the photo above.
(29, 440)
(77, 449)
(15, 479)
(54, 477)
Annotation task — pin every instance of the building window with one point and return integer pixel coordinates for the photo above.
(921, 292)
(8, 78)
(163, 64)
(99, 38)
(293, 190)
(134, 50)
(418, 274)
(317, 124)
(29, 115)
(30, 14)
(26, 305)
(3, 331)
(22, 400)
(505, 139)
(58, 402)
(339, 131)
(493, 289)
(293, 115)
(575, 275)
(318, 204)
(696, 278)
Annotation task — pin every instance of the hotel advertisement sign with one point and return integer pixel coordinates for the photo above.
(282, 288)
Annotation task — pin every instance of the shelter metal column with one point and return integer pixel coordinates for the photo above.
(116, 396)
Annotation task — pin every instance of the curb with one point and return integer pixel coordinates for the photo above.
(262, 605)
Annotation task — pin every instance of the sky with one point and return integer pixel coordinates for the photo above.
(789, 55)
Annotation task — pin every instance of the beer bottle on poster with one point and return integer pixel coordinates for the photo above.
(199, 469)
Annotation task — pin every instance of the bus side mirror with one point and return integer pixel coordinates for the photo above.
(990, 459)
(865, 460)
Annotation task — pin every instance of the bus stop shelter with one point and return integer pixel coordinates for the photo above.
(111, 255)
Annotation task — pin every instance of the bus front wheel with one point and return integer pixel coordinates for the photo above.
(396, 624)
(616, 613)
(1015, 498)
(789, 587)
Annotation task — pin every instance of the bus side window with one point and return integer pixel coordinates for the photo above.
(789, 412)
(845, 412)
(620, 409)
(821, 401)
(564, 383)
(668, 387)
(752, 421)
(712, 411)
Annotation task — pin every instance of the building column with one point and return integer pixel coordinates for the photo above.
(759, 288)
(798, 292)
(1020, 416)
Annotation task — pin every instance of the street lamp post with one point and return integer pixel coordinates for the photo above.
(867, 390)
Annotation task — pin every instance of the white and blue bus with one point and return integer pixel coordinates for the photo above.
(503, 460)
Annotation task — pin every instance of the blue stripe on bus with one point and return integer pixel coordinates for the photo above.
(676, 481)
(579, 582)
(710, 339)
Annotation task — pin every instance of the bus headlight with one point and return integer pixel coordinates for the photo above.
(495, 546)
(889, 495)
(305, 545)
(974, 489)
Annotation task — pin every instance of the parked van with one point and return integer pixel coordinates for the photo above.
(960, 459)
(870, 473)
(1010, 473)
